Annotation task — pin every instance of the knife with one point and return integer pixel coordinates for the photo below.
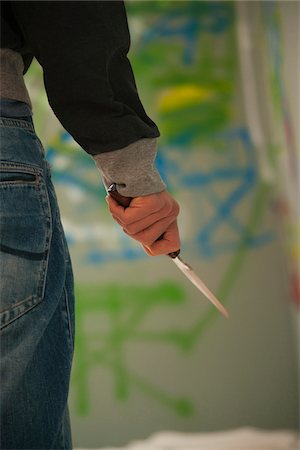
(185, 268)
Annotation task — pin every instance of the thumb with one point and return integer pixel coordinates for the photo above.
(169, 242)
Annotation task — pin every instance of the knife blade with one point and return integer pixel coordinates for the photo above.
(185, 268)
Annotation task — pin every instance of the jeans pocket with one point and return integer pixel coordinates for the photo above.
(25, 234)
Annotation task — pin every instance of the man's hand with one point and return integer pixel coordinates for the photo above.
(151, 220)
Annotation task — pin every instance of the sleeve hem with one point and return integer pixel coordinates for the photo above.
(132, 168)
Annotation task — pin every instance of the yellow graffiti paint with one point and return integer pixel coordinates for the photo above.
(181, 96)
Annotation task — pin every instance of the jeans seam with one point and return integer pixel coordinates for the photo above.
(69, 317)
(49, 240)
(20, 167)
(16, 123)
(22, 313)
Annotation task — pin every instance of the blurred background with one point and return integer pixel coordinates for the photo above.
(221, 80)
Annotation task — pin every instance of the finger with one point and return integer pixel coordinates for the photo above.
(170, 210)
(114, 207)
(140, 207)
(151, 234)
(170, 242)
(143, 224)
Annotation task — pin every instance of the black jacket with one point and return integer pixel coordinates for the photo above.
(82, 48)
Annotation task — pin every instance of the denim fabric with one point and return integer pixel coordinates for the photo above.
(37, 297)
(14, 108)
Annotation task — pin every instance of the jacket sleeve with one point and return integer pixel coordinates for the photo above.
(82, 48)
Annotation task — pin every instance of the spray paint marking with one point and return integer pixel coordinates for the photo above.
(126, 307)
(187, 28)
(194, 124)
(232, 167)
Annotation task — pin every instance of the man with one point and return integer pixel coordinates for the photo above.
(82, 48)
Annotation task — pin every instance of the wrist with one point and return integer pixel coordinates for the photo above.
(131, 168)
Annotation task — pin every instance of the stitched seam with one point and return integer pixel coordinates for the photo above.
(9, 122)
(69, 317)
(21, 313)
(14, 166)
(48, 241)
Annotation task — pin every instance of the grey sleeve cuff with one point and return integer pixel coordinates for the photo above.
(131, 168)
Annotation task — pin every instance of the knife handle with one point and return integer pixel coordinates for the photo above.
(121, 199)
(125, 202)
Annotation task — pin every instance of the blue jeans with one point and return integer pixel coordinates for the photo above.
(37, 297)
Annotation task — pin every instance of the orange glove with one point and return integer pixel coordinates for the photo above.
(149, 218)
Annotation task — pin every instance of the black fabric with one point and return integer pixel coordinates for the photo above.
(82, 47)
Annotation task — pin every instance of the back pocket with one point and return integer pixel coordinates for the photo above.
(25, 232)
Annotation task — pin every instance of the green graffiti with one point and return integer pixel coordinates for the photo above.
(188, 82)
(256, 213)
(127, 306)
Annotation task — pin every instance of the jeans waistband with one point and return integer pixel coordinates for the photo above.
(14, 108)
(17, 144)
(21, 122)
(15, 113)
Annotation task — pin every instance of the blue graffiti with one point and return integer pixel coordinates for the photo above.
(98, 256)
(227, 170)
(79, 163)
(214, 18)
(203, 182)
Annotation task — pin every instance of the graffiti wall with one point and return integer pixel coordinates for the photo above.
(151, 352)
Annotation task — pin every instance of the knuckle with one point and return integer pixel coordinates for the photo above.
(129, 229)
(144, 239)
(155, 202)
(151, 251)
(147, 250)
(148, 242)
(176, 208)
(126, 222)
(167, 210)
